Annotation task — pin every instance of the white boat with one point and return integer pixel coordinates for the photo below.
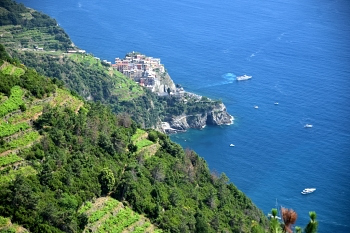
(276, 103)
(307, 126)
(256, 106)
(232, 145)
(243, 77)
(308, 190)
(270, 216)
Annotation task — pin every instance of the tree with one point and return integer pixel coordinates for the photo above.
(132, 148)
(107, 180)
(298, 229)
(313, 224)
(153, 136)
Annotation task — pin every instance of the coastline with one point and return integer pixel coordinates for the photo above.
(180, 124)
(150, 73)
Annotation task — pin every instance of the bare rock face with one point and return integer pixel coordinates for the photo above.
(217, 116)
(197, 121)
(163, 83)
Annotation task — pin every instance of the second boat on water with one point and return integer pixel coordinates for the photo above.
(308, 190)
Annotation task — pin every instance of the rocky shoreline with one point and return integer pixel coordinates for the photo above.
(217, 116)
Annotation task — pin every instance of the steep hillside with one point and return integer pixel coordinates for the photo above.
(58, 154)
(28, 29)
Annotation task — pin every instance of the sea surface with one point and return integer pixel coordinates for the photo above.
(298, 53)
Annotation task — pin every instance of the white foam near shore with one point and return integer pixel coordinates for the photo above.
(232, 121)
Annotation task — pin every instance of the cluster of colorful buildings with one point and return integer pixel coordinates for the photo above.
(142, 69)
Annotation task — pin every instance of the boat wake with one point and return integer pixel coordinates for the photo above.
(227, 79)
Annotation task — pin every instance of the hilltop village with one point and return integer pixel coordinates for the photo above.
(149, 73)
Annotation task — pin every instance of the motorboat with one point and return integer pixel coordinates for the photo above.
(307, 126)
(276, 103)
(243, 77)
(308, 190)
(232, 145)
(256, 106)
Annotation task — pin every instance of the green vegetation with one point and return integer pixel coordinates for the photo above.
(117, 224)
(12, 70)
(9, 129)
(13, 102)
(313, 224)
(10, 176)
(9, 159)
(143, 143)
(138, 134)
(30, 29)
(7, 227)
(110, 215)
(23, 140)
(28, 114)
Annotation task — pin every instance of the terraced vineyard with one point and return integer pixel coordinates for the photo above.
(144, 145)
(7, 226)
(17, 113)
(10, 69)
(109, 215)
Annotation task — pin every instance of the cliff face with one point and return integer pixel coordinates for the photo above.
(217, 116)
(163, 83)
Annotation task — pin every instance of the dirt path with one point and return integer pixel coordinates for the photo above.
(13, 164)
(13, 70)
(78, 108)
(3, 65)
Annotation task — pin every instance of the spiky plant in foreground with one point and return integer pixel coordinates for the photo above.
(313, 224)
(298, 229)
(275, 226)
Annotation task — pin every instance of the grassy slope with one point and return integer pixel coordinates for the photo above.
(122, 87)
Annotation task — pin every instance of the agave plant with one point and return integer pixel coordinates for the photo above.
(275, 226)
(313, 224)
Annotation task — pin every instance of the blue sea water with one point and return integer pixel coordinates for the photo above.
(298, 53)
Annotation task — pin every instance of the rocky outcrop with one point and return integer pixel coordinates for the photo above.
(217, 116)
(162, 83)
